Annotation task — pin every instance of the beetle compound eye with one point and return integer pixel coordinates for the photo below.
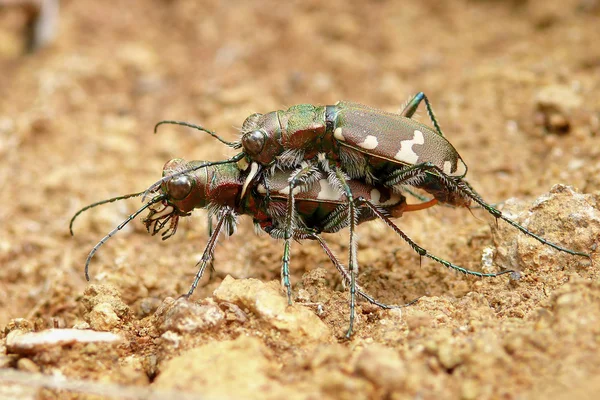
(253, 142)
(179, 187)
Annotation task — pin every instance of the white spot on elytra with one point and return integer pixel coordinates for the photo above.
(447, 167)
(370, 143)
(406, 152)
(339, 135)
(261, 189)
(328, 192)
(461, 168)
(286, 190)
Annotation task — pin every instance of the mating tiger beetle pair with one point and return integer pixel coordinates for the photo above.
(313, 169)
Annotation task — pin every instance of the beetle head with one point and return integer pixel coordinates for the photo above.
(181, 194)
(209, 186)
(261, 136)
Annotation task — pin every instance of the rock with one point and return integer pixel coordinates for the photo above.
(20, 324)
(382, 366)
(449, 355)
(147, 306)
(234, 312)
(96, 294)
(6, 361)
(25, 364)
(172, 338)
(103, 308)
(103, 317)
(240, 368)
(18, 391)
(560, 98)
(268, 303)
(563, 216)
(555, 105)
(81, 325)
(184, 316)
(36, 342)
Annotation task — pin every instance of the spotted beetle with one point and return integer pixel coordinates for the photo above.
(320, 207)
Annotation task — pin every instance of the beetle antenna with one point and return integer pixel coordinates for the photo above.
(118, 228)
(235, 145)
(127, 196)
(154, 187)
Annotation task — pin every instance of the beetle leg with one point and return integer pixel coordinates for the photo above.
(411, 107)
(463, 187)
(414, 194)
(301, 234)
(336, 220)
(301, 176)
(346, 276)
(209, 250)
(342, 181)
(211, 265)
(420, 250)
(338, 179)
(462, 193)
(428, 202)
(413, 175)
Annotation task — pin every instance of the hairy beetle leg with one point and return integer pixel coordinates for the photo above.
(209, 250)
(411, 107)
(423, 252)
(298, 178)
(346, 277)
(461, 188)
(352, 256)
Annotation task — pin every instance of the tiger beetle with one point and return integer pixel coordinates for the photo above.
(320, 207)
(353, 141)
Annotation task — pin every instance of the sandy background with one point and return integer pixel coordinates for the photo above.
(516, 88)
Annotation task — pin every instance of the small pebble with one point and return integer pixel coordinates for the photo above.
(25, 364)
(184, 316)
(382, 366)
(103, 317)
(268, 302)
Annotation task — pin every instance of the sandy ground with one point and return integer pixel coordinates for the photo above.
(516, 88)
